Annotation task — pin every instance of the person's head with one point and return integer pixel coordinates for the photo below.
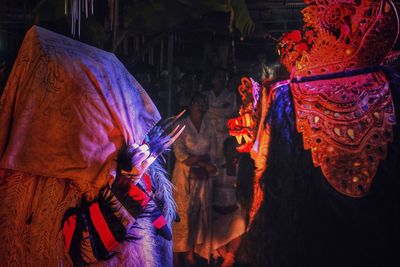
(186, 83)
(198, 104)
(219, 79)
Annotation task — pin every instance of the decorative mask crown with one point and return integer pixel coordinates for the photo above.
(340, 34)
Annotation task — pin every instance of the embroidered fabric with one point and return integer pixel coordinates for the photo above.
(347, 124)
(58, 92)
(31, 213)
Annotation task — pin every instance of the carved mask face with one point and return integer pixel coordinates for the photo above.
(243, 127)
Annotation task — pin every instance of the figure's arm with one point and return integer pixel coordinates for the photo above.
(182, 154)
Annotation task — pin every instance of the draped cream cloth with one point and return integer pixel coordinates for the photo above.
(67, 108)
(65, 112)
(192, 196)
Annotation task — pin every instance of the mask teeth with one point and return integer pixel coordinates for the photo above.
(247, 138)
(239, 139)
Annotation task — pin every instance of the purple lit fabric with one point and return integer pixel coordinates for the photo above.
(67, 108)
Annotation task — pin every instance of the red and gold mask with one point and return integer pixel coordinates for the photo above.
(243, 127)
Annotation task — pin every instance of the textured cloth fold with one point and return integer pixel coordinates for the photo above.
(67, 108)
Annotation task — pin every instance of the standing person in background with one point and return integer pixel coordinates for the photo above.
(191, 177)
(186, 88)
(221, 106)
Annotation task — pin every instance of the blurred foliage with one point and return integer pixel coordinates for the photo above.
(145, 17)
(242, 19)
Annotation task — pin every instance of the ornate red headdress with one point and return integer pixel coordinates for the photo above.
(343, 102)
(339, 35)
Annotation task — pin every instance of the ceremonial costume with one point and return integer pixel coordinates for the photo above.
(66, 112)
(326, 143)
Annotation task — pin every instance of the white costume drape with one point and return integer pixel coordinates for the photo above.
(192, 196)
(227, 224)
(225, 227)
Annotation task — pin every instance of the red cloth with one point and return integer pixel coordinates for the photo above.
(102, 228)
(137, 194)
(68, 230)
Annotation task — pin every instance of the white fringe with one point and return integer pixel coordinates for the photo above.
(164, 189)
(76, 7)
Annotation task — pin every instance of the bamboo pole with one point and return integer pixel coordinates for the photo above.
(170, 89)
